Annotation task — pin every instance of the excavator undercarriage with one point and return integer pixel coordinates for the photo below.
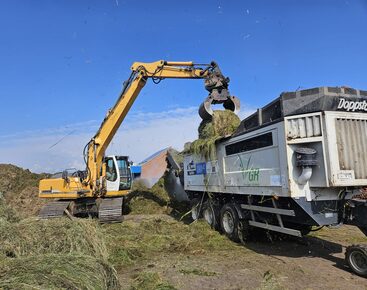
(108, 210)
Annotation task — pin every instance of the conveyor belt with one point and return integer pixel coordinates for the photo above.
(53, 209)
(110, 210)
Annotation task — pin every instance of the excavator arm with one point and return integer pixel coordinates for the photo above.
(216, 83)
(93, 184)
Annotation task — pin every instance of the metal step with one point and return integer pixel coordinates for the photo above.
(288, 212)
(53, 209)
(279, 229)
(110, 210)
(273, 210)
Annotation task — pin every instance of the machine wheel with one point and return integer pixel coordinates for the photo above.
(356, 257)
(243, 231)
(196, 212)
(229, 222)
(210, 214)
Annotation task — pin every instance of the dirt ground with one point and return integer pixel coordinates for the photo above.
(153, 249)
(313, 262)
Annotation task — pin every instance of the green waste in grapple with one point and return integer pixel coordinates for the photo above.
(222, 124)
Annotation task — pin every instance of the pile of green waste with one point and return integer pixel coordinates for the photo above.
(155, 200)
(19, 189)
(32, 237)
(144, 200)
(7, 213)
(52, 254)
(54, 271)
(222, 124)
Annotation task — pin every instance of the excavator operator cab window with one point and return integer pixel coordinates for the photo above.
(125, 174)
(111, 173)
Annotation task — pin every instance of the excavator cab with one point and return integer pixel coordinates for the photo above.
(118, 174)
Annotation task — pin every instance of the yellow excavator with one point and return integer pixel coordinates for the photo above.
(101, 188)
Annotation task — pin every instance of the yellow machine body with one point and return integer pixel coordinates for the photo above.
(61, 189)
(93, 183)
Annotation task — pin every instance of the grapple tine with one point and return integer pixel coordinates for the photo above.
(205, 109)
(217, 85)
(233, 104)
(229, 103)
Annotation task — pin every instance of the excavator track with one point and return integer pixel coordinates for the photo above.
(53, 209)
(110, 210)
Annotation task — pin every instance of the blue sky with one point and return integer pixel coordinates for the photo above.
(62, 63)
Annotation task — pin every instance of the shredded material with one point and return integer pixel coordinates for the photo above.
(222, 124)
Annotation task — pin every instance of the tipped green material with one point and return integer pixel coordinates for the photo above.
(7, 213)
(31, 237)
(53, 271)
(54, 254)
(223, 123)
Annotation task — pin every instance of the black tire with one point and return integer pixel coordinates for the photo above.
(196, 212)
(230, 222)
(210, 214)
(356, 258)
(244, 231)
